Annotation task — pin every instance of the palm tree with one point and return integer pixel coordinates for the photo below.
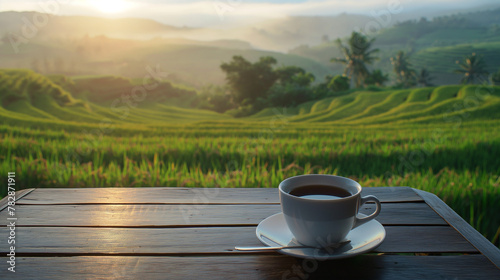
(473, 69)
(402, 67)
(424, 78)
(357, 54)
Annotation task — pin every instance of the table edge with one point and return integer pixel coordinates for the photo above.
(483, 245)
(176, 188)
(477, 240)
(19, 194)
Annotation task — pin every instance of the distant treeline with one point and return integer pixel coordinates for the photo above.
(253, 86)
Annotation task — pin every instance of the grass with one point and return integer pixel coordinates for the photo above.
(429, 105)
(460, 166)
(443, 140)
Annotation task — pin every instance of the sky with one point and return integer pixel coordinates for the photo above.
(229, 12)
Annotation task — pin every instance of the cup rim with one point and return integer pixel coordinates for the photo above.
(355, 184)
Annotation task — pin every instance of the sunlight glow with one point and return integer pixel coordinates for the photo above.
(109, 6)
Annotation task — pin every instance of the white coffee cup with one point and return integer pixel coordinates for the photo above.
(320, 220)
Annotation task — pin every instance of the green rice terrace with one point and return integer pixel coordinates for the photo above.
(59, 132)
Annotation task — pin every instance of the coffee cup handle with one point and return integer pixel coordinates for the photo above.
(360, 221)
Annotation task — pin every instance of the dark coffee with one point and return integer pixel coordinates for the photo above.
(320, 192)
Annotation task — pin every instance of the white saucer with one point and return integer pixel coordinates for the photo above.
(273, 231)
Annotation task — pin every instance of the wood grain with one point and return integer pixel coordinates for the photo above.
(194, 215)
(175, 241)
(454, 220)
(254, 267)
(188, 195)
(177, 233)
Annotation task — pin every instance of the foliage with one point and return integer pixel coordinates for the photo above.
(16, 85)
(473, 69)
(377, 78)
(215, 98)
(322, 90)
(288, 74)
(286, 95)
(437, 59)
(241, 111)
(294, 75)
(339, 83)
(405, 75)
(105, 90)
(357, 55)
(363, 135)
(292, 88)
(251, 154)
(424, 78)
(284, 86)
(250, 81)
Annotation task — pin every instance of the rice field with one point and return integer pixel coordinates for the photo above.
(459, 164)
(443, 140)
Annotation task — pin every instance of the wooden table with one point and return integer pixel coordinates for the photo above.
(180, 233)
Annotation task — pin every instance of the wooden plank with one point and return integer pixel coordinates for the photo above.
(454, 220)
(193, 215)
(188, 195)
(254, 267)
(4, 202)
(172, 241)
(424, 239)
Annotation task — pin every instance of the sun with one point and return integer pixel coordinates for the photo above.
(109, 6)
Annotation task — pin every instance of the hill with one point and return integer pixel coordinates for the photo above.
(30, 98)
(279, 34)
(435, 44)
(283, 34)
(30, 95)
(65, 132)
(186, 61)
(53, 26)
(441, 60)
(445, 104)
(75, 45)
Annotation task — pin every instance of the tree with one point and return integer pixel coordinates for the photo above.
(303, 79)
(291, 89)
(294, 75)
(339, 83)
(215, 98)
(377, 78)
(473, 69)
(424, 78)
(250, 81)
(405, 75)
(286, 74)
(285, 95)
(357, 54)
